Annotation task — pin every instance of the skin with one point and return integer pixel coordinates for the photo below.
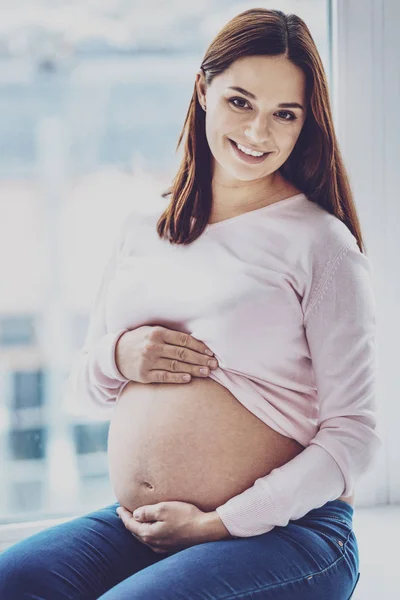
(259, 124)
(237, 187)
(171, 526)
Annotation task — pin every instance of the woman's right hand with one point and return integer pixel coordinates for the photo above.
(155, 354)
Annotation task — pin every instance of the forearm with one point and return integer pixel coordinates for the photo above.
(213, 527)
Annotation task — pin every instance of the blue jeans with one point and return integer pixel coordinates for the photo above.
(95, 556)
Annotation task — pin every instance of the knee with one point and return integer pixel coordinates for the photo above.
(20, 577)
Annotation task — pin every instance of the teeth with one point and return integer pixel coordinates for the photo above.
(248, 151)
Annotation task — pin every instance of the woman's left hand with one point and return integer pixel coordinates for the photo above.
(167, 526)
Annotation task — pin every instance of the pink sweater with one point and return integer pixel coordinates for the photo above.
(284, 298)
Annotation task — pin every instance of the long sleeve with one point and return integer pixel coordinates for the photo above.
(340, 330)
(94, 375)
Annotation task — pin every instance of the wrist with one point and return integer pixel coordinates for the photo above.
(213, 527)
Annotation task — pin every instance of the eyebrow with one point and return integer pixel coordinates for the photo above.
(281, 105)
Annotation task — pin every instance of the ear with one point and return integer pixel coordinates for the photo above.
(201, 87)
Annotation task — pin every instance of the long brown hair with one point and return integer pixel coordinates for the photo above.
(315, 165)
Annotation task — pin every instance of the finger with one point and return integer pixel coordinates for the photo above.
(185, 355)
(158, 546)
(123, 513)
(159, 550)
(129, 521)
(142, 541)
(175, 366)
(139, 529)
(178, 338)
(154, 545)
(155, 376)
(144, 513)
(147, 544)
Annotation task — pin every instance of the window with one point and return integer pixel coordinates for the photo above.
(28, 389)
(27, 443)
(85, 130)
(16, 330)
(90, 437)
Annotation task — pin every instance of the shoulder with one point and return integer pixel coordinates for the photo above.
(331, 257)
(324, 238)
(326, 232)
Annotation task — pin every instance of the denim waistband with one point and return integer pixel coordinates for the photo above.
(334, 508)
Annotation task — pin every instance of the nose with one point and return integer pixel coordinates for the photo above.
(257, 131)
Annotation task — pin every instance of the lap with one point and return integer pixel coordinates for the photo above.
(80, 559)
(95, 557)
(311, 558)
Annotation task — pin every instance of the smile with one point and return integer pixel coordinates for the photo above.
(248, 155)
(249, 150)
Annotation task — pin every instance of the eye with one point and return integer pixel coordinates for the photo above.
(285, 112)
(232, 100)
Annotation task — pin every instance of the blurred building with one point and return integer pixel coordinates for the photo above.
(78, 151)
(93, 97)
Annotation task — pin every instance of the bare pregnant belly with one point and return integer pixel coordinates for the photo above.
(190, 442)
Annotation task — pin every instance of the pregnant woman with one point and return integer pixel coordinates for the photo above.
(234, 335)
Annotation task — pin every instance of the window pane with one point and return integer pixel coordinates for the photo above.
(16, 330)
(28, 389)
(27, 444)
(90, 438)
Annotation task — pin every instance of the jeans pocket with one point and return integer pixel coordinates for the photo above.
(344, 538)
(338, 532)
(341, 532)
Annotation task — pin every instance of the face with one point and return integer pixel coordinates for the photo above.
(252, 116)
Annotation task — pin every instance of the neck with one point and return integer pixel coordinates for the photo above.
(231, 197)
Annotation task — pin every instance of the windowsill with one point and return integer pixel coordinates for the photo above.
(14, 532)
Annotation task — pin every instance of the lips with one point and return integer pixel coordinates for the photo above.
(248, 147)
(247, 158)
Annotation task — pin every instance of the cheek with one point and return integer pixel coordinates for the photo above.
(219, 122)
(295, 132)
(288, 139)
(217, 131)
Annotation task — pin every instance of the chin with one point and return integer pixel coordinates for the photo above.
(244, 175)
